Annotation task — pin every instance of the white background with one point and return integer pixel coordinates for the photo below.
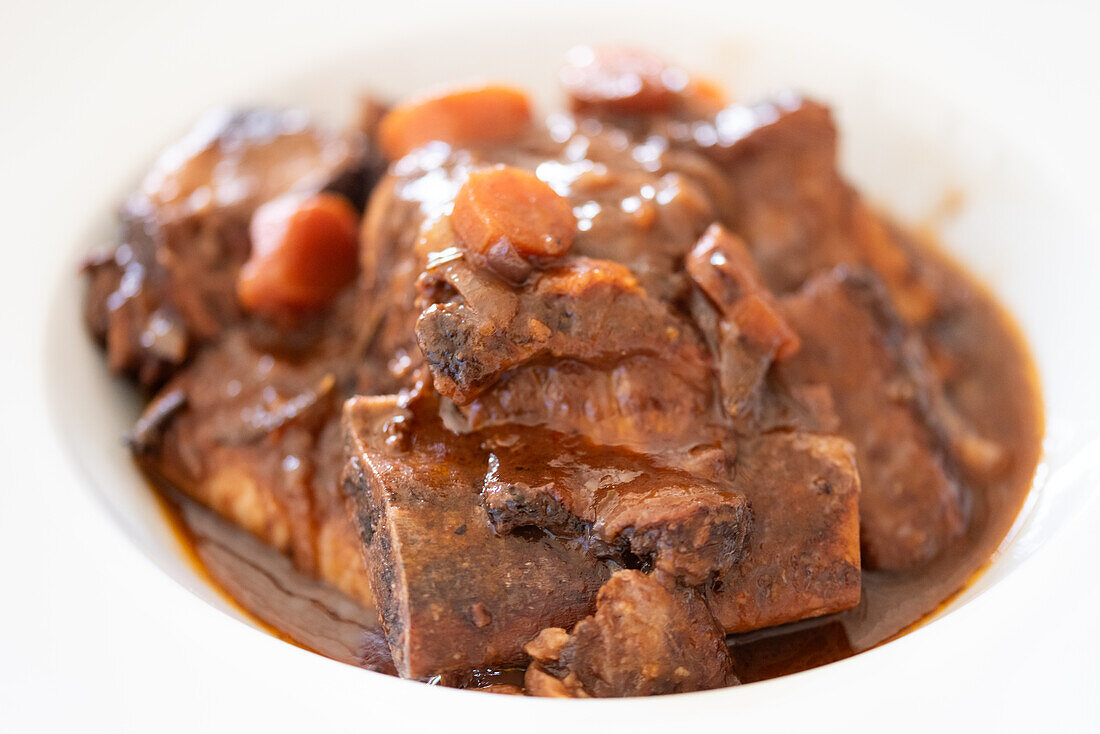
(93, 637)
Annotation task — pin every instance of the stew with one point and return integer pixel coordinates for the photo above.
(640, 397)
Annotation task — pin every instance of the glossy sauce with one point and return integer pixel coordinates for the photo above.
(997, 391)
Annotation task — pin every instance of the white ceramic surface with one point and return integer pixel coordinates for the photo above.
(911, 137)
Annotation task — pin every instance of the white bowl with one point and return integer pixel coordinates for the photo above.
(905, 145)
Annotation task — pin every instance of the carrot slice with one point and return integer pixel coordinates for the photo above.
(304, 251)
(477, 114)
(509, 220)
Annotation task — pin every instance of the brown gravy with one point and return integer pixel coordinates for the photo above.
(998, 393)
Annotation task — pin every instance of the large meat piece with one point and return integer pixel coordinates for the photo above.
(802, 558)
(637, 403)
(581, 348)
(586, 310)
(689, 528)
(646, 638)
(255, 435)
(452, 594)
(911, 503)
(788, 201)
(170, 283)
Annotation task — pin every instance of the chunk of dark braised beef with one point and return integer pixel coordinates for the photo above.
(453, 595)
(588, 310)
(803, 554)
(631, 214)
(646, 638)
(790, 203)
(256, 436)
(163, 289)
(579, 349)
(170, 283)
(787, 200)
(637, 403)
(622, 504)
(741, 130)
(912, 504)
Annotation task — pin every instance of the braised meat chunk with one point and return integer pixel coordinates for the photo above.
(787, 199)
(637, 403)
(232, 283)
(911, 504)
(803, 556)
(453, 595)
(791, 205)
(645, 639)
(690, 528)
(580, 348)
(586, 310)
(257, 438)
(171, 283)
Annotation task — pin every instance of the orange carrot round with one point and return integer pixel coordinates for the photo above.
(476, 114)
(509, 220)
(304, 251)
